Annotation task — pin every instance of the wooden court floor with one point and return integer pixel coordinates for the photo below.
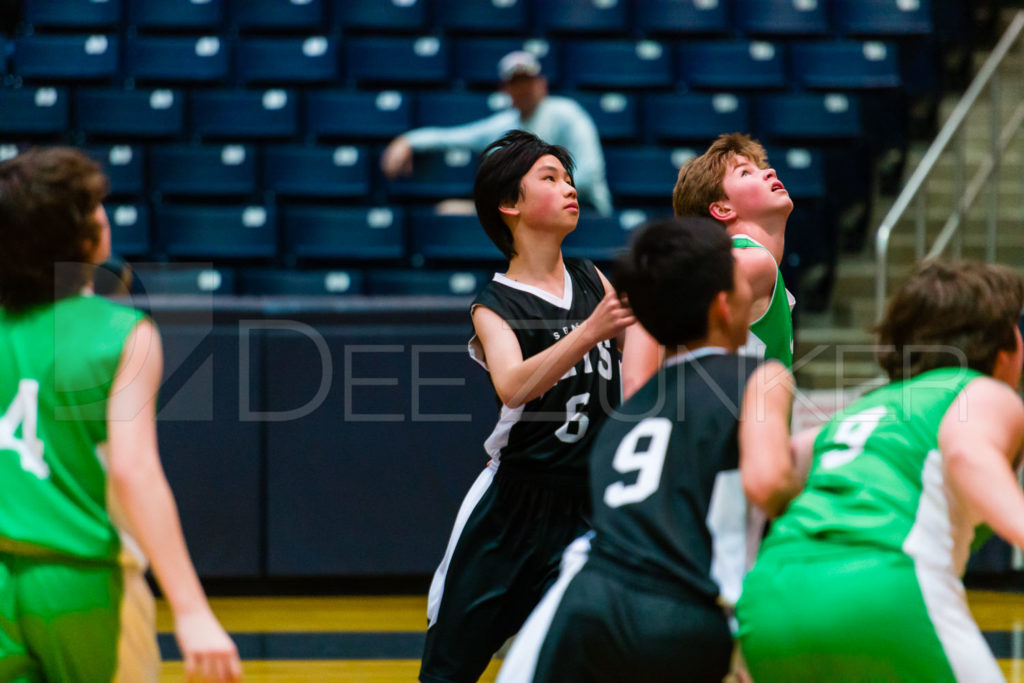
(378, 639)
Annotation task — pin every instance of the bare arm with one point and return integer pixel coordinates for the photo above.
(760, 270)
(139, 486)
(642, 355)
(518, 381)
(980, 435)
(770, 474)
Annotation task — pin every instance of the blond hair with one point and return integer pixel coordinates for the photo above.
(700, 179)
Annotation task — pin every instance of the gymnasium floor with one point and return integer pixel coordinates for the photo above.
(350, 639)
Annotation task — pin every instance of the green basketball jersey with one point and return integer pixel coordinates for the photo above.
(57, 365)
(771, 335)
(877, 479)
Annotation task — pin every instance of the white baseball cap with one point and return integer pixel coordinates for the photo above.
(518, 63)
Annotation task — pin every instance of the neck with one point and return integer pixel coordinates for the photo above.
(770, 233)
(714, 338)
(541, 265)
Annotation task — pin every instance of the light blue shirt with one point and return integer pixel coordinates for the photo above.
(558, 120)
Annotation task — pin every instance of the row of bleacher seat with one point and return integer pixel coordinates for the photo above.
(345, 172)
(362, 117)
(425, 61)
(622, 17)
(306, 234)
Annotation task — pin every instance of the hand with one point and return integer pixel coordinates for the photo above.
(396, 159)
(207, 650)
(611, 316)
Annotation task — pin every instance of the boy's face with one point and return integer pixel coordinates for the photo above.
(548, 196)
(101, 250)
(753, 192)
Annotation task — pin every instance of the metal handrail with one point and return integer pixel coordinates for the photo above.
(914, 186)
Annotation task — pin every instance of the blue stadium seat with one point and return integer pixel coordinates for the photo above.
(64, 14)
(476, 59)
(683, 17)
(393, 60)
(410, 15)
(449, 238)
(124, 165)
(695, 116)
(602, 238)
(841, 65)
(481, 16)
(399, 282)
(176, 14)
(302, 282)
(203, 170)
(130, 113)
(782, 17)
(64, 57)
(278, 15)
(357, 115)
(129, 228)
(800, 169)
(614, 114)
(244, 114)
(192, 59)
(883, 17)
(356, 233)
(617, 64)
(287, 60)
(452, 108)
(33, 111)
(808, 116)
(580, 16)
(317, 171)
(215, 232)
(437, 175)
(732, 65)
(647, 173)
(207, 280)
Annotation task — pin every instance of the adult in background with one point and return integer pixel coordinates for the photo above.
(557, 120)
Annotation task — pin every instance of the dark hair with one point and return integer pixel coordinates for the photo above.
(673, 270)
(699, 182)
(47, 231)
(968, 306)
(499, 180)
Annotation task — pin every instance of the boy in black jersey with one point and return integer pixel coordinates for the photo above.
(641, 604)
(545, 331)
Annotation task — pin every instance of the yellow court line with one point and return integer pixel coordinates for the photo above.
(995, 611)
(311, 671)
(298, 614)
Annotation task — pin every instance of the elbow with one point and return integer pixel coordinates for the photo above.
(771, 493)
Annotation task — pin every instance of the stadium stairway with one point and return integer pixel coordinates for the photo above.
(834, 347)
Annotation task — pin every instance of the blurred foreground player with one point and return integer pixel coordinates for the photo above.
(83, 498)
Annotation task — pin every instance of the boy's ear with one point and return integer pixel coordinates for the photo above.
(721, 210)
(508, 209)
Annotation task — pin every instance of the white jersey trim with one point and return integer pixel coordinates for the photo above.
(499, 437)
(521, 662)
(564, 303)
(937, 543)
(469, 503)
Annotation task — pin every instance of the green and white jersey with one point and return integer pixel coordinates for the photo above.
(877, 480)
(771, 335)
(57, 365)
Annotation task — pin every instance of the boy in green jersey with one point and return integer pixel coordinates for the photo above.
(732, 183)
(859, 578)
(83, 498)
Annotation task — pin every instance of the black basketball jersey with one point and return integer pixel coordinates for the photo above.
(553, 432)
(660, 478)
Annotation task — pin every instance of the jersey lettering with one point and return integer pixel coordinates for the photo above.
(643, 451)
(24, 412)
